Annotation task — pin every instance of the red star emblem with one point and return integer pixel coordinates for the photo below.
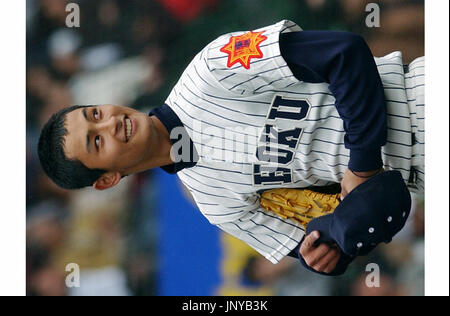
(241, 49)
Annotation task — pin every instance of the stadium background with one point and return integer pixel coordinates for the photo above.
(145, 237)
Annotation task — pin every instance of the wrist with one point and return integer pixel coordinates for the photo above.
(367, 174)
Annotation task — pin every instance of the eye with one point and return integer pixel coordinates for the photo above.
(95, 114)
(97, 141)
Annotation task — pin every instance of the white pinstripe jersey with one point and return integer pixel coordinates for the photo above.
(229, 112)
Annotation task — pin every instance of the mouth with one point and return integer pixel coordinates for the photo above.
(128, 128)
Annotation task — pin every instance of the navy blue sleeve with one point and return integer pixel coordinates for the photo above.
(344, 61)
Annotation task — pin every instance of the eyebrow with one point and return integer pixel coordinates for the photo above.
(88, 140)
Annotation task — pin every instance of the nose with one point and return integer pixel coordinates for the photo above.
(110, 125)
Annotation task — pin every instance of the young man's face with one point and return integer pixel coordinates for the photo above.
(109, 137)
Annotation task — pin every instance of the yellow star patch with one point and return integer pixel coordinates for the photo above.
(241, 49)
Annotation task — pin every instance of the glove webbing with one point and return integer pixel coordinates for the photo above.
(303, 206)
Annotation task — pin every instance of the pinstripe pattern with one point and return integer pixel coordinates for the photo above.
(225, 110)
(416, 98)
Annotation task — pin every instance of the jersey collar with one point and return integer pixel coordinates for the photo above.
(170, 120)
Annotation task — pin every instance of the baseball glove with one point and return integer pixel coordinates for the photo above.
(300, 205)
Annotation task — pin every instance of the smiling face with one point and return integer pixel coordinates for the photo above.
(109, 137)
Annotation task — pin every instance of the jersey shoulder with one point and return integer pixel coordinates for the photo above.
(237, 59)
(236, 63)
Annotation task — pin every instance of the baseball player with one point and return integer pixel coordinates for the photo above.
(276, 107)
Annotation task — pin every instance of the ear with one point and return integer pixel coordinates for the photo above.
(107, 180)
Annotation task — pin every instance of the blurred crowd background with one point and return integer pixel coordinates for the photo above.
(131, 52)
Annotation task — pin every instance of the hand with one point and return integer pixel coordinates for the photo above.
(352, 180)
(322, 258)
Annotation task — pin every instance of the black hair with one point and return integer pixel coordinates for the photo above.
(66, 173)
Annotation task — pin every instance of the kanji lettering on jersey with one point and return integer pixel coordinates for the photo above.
(241, 49)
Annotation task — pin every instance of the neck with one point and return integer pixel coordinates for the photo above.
(163, 143)
(160, 147)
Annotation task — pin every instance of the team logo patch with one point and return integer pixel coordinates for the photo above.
(241, 49)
